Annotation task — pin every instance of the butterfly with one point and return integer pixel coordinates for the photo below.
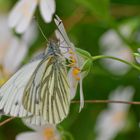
(39, 92)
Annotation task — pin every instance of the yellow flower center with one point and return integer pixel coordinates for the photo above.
(119, 116)
(73, 63)
(76, 72)
(49, 134)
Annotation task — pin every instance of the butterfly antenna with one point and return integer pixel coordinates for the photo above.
(42, 32)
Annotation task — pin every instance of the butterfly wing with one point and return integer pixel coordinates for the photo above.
(47, 94)
(61, 29)
(65, 43)
(12, 91)
(35, 120)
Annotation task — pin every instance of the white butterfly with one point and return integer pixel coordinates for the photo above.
(39, 90)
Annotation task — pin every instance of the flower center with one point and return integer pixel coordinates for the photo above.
(75, 72)
(73, 63)
(49, 134)
(119, 116)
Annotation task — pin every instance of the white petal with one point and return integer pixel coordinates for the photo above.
(81, 93)
(121, 94)
(5, 33)
(73, 83)
(105, 119)
(12, 58)
(112, 45)
(30, 136)
(22, 15)
(15, 14)
(27, 14)
(115, 115)
(47, 9)
(31, 34)
(42, 129)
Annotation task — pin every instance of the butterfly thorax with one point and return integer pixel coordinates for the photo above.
(53, 49)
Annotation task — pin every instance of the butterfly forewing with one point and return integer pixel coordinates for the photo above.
(62, 31)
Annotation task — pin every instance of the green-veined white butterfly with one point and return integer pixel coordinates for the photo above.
(39, 89)
(39, 92)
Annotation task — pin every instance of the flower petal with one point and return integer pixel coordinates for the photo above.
(47, 9)
(12, 58)
(31, 34)
(30, 136)
(73, 83)
(81, 94)
(15, 14)
(22, 14)
(5, 33)
(115, 115)
(48, 131)
(122, 94)
(112, 45)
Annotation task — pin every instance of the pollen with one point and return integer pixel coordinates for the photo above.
(49, 133)
(76, 72)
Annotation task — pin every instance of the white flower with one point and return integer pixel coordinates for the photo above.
(22, 14)
(75, 76)
(112, 45)
(113, 119)
(46, 132)
(13, 49)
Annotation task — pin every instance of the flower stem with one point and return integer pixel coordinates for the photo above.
(107, 101)
(6, 121)
(94, 58)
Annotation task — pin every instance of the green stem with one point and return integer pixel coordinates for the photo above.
(94, 58)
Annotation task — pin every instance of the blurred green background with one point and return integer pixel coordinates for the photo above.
(86, 21)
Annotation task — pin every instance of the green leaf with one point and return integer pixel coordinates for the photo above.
(97, 7)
